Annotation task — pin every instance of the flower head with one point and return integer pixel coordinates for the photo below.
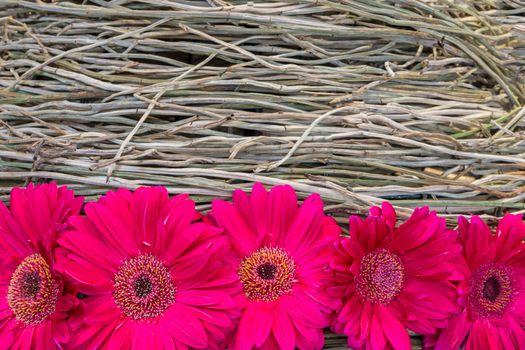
(267, 274)
(155, 278)
(282, 253)
(393, 278)
(492, 292)
(34, 302)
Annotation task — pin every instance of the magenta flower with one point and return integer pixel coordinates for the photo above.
(156, 279)
(393, 278)
(492, 294)
(282, 252)
(34, 302)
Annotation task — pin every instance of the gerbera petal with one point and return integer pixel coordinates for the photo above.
(240, 234)
(91, 279)
(89, 244)
(484, 335)
(149, 205)
(282, 208)
(14, 239)
(309, 338)
(516, 334)
(244, 337)
(264, 323)
(121, 337)
(454, 335)
(59, 331)
(185, 239)
(408, 237)
(25, 339)
(378, 338)
(303, 310)
(358, 242)
(145, 337)
(241, 201)
(395, 332)
(283, 329)
(389, 215)
(306, 226)
(190, 329)
(476, 237)
(510, 235)
(179, 215)
(7, 339)
(259, 211)
(366, 320)
(42, 336)
(112, 227)
(40, 209)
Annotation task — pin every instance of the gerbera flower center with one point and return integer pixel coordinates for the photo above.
(143, 287)
(491, 290)
(267, 271)
(267, 274)
(31, 284)
(381, 277)
(33, 292)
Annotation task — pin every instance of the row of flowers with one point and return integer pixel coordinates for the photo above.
(260, 272)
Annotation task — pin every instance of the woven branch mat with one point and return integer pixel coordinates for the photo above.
(419, 102)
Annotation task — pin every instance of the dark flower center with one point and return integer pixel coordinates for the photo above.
(491, 291)
(31, 284)
(267, 274)
(143, 287)
(33, 292)
(267, 271)
(381, 277)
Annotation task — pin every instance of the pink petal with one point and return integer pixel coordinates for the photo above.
(413, 234)
(149, 205)
(477, 240)
(121, 337)
(302, 309)
(236, 228)
(244, 337)
(377, 336)
(185, 325)
(283, 329)
(306, 228)
(510, 235)
(259, 215)
(264, 323)
(389, 215)
(395, 332)
(454, 335)
(282, 209)
(482, 337)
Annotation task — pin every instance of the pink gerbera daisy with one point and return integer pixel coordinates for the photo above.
(282, 253)
(34, 304)
(156, 279)
(393, 278)
(492, 294)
